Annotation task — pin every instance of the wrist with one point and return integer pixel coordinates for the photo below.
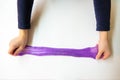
(103, 35)
(23, 32)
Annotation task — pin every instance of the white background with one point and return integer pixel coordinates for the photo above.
(59, 23)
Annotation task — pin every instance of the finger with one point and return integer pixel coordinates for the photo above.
(11, 50)
(99, 54)
(105, 56)
(18, 51)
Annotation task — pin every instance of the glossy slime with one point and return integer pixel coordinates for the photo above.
(89, 52)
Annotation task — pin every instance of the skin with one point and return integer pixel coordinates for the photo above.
(18, 44)
(103, 45)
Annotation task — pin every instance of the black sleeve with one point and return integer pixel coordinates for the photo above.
(102, 12)
(24, 13)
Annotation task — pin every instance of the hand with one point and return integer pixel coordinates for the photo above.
(103, 47)
(103, 50)
(17, 44)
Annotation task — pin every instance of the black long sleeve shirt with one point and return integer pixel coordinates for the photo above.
(102, 13)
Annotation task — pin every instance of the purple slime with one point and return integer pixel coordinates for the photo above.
(89, 52)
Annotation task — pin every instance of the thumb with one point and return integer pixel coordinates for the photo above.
(99, 54)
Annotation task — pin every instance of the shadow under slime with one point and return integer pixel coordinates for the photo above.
(36, 15)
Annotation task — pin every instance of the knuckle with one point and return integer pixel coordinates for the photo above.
(21, 48)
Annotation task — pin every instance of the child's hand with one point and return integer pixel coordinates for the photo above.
(103, 47)
(17, 44)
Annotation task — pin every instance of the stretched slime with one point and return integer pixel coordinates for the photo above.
(89, 52)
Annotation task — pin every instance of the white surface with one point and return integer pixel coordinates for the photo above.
(63, 23)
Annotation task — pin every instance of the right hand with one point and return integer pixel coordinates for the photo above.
(103, 46)
(18, 44)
